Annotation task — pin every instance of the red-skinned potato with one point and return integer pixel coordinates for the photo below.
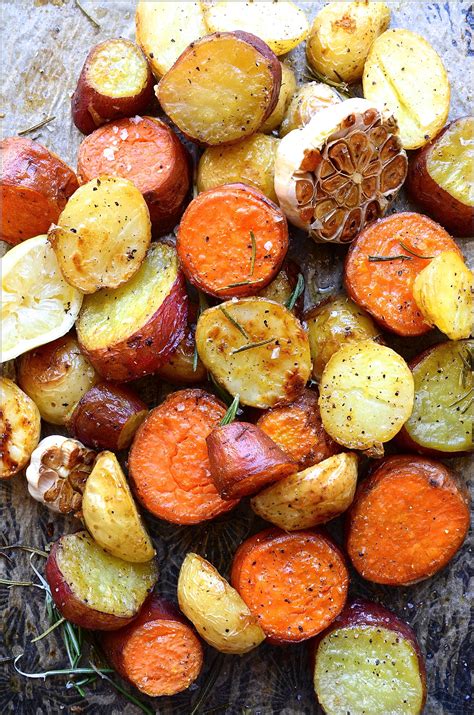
(115, 81)
(107, 417)
(439, 177)
(159, 653)
(183, 368)
(94, 589)
(130, 331)
(243, 460)
(369, 661)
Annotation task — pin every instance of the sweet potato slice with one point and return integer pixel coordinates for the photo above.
(308, 598)
(35, 186)
(408, 519)
(159, 653)
(20, 425)
(222, 87)
(147, 152)
(168, 461)
(115, 81)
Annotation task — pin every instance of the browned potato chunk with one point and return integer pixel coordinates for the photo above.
(287, 90)
(19, 428)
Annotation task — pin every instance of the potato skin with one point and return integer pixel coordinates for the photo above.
(20, 426)
(179, 368)
(287, 90)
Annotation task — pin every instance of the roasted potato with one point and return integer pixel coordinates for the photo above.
(308, 101)
(287, 90)
(282, 286)
(20, 425)
(256, 349)
(335, 323)
(102, 235)
(110, 513)
(366, 395)
(404, 74)
(184, 367)
(56, 376)
(341, 36)
(94, 589)
(216, 610)
(222, 88)
(251, 162)
(131, 331)
(312, 497)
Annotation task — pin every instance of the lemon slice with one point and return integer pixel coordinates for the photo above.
(38, 305)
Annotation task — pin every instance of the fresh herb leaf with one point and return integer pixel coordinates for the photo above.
(254, 252)
(414, 253)
(234, 322)
(89, 17)
(60, 671)
(43, 122)
(240, 283)
(380, 259)
(298, 290)
(249, 346)
(48, 630)
(231, 412)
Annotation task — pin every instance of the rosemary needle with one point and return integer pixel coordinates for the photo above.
(234, 322)
(36, 126)
(252, 345)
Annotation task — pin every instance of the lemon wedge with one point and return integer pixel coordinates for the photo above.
(38, 305)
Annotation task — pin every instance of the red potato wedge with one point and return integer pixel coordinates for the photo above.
(159, 653)
(107, 417)
(115, 81)
(131, 331)
(34, 188)
(147, 152)
(94, 589)
(222, 88)
(369, 661)
(20, 426)
(243, 460)
(308, 598)
(407, 521)
(232, 241)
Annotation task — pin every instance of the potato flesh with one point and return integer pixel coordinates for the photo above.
(19, 428)
(118, 69)
(366, 395)
(287, 90)
(368, 669)
(450, 162)
(217, 611)
(274, 373)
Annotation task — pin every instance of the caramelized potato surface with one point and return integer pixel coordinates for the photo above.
(20, 424)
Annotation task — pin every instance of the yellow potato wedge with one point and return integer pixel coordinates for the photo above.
(20, 425)
(111, 515)
(404, 74)
(312, 497)
(218, 613)
(287, 90)
(443, 293)
(282, 25)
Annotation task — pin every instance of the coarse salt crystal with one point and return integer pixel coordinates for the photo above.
(115, 130)
(180, 407)
(123, 134)
(109, 153)
(268, 245)
(128, 167)
(136, 119)
(275, 353)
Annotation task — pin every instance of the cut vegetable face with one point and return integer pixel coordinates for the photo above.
(255, 348)
(222, 88)
(340, 171)
(308, 101)
(38, 305)
(94, 589)
(287, 90)
(216, 610)
(403, 545)
(20, 425)
(366, 395)
(404, 73)
(369, 662)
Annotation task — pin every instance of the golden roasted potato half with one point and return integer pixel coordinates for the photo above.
(216, 610)
(287, 90)
(20, 425)
(111, 515)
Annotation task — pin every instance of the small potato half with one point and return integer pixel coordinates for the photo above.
(287, 90)
(20, 425)
(216, 610)
(312, 497)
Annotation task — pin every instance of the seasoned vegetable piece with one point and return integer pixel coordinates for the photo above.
(440, 177)
(158, 653)
(287, 90)
(110, 513)
(308, 101)
(405, 74)
(369, 662)
(282, 287)
(20, 425)
(168, 461)
(56, 376)
(131, 331)
(307, 599)
(94, 589)
(312, 497)
(165, 29)
(282, 25)
(232, 241)
(403, 544)
(255, 348)
(184, 367)
(222, 88)
(383, 263)
(443, 413)
(115, 81)
(297, 429)
(216, 610)
(340, 171)
(341, 36)
(366, 395)
(102, 235)
(34, 188)
(250, 161)
(333, 324)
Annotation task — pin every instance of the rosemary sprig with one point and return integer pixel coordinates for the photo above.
(341, 86)
(39, 125)
(240, 283)
(48, 630)
(60, 671)
(254, 252)
(29, 549)
(234, 322)
(231, 412)
(414, 253)
(89, 17)
(249, 346)
(462, 398)
(380, 259)
(299, 288)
